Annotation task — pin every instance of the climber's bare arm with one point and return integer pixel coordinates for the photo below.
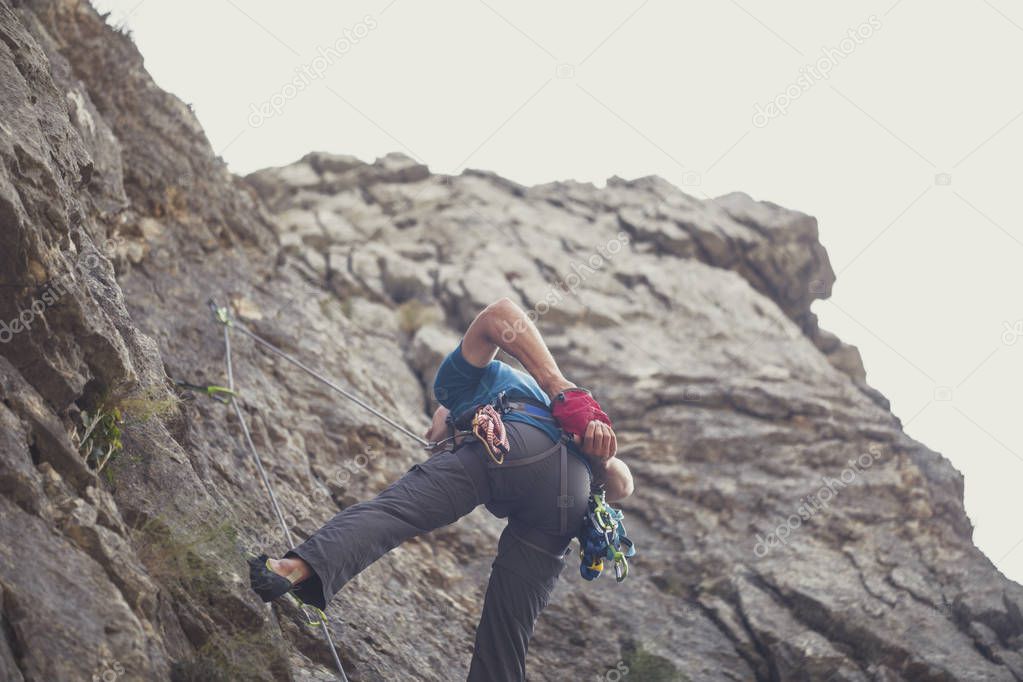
(503, 325)
(618, 481)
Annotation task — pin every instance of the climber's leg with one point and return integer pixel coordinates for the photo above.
(544, 516)
(432, 494)
(521, 582)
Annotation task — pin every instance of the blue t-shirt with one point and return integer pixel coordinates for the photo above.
(460, 386)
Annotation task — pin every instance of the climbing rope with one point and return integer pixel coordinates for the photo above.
(229, 395)
(488, 427)
(222, 316)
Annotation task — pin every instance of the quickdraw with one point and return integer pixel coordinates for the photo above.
(222, 394)
(603, 537)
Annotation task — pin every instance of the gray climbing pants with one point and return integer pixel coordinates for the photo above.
(541, 489)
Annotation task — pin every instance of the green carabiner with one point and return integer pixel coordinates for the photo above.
(621, 567)
(222, 394)
(222, 315)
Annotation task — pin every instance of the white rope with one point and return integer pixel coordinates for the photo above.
(327, 382)
(266, 480)
(252, 446)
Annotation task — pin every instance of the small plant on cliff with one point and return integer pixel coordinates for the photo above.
(101, 438)
(414, 314)
(192, 562)
(646, 665)
(242, 655)
(188, 558)
(144, 406)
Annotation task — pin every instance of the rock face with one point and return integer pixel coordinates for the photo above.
(788, 529)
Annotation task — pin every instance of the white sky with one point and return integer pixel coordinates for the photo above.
(929, 269)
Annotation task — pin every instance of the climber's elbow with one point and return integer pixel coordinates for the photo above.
(500, 314)
(618, 483)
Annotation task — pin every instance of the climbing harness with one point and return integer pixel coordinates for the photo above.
(486, 424)
(602, 534)
(603, 537)
(228, 395)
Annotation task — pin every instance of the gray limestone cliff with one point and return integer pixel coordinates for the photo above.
(788, 529)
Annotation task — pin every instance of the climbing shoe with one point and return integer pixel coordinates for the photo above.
(267, 584)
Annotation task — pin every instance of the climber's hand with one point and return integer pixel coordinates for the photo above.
(599, 442)
(438, 426)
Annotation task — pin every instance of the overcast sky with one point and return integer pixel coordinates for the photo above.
(898, 124)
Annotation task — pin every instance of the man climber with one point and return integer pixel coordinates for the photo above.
(535, 480)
